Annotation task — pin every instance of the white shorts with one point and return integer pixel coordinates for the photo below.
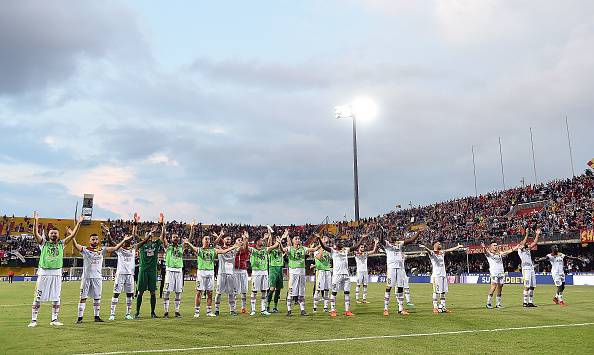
(123, 283)
(91, 288)
(497, 279)
(174, 281)
(440, 284)
(529, 278)
(48, 288)
(260, 282)
(241, 281)
(362, 278)
(296, 285)
(558, 279)
(226, 284)
(323, 280)
(396, 277)
(204, 281)
(341, 283)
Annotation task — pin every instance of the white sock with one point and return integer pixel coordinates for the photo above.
(386, 300)
(316, 299)
(333, 302)
(302, 303)
(434, 300)
(490, 299)
(526, 296)
(243, 300)
(35, 310)
(55, 310)
(531, 296)
(263, 298)
(498, 298)
(443, 300)
(400, 299)
(177, 301)
(208, 309)
(560, 297)
(326, 298)
(166, 302)
(114, 303)
(253, 301)
(128, 305)
(364, 292)
(232, 302)
(218, 302)
(407, 294)
(81, 309)
(96, 307)
(196, 309)
(357, 292)
(289, 303)
(347, 302)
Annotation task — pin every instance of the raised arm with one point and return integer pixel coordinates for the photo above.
(276, 244)
(119, 245)
(106, 234)
(538, 260)
(363, 237)
(73, 232)
(218, 237)
(162, 236)
(412, 239)
(76, 245)
(245, 239)
(425, 248)
(375, 244)
(188, 243)
(535, 241)
(457, 247)
(38, 237)
(323, 246)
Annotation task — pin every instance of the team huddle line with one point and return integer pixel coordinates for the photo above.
(266, 258)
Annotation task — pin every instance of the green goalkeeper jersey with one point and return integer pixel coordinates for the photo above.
(276, 257)
(149, 253)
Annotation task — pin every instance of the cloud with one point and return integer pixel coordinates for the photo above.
(43, 45)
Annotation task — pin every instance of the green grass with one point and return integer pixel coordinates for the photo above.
(466, 302)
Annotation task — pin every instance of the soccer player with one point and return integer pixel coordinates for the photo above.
(49, 272)
(495, 259)
(205, 274)
(240, 271)
(341, 280)
(323, 276)
(174, 276)
(226, 277)
(396, 273)
(557, 261)
(259, 262)
(124, 277)
(91, 283)
(361, 255)
(528, 274)
(275, 271)
(297, 253)
(147, 268)
(439, 277)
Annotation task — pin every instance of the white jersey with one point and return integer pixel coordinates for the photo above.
(495, 263)
(125, 261)
(437, 264)
(227, 262)
(526, 259)
(556, 263)
(340, 261)
(92, 263)
(394, 255)
(361, 260)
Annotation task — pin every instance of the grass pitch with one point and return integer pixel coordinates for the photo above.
(422, 332)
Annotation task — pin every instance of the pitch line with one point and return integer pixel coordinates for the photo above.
(313, 341)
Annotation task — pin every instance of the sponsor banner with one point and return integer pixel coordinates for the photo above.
(584, 280)
(513, 278)
(587, 236)
(477, 249)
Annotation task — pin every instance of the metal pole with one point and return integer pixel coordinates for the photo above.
(474, 172)
(569, 143)
(355, 169)
(533, 160)
(501, 160)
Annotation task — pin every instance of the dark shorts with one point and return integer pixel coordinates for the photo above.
(147, 280)
(275, 277)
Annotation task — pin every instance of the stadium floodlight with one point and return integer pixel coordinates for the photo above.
(362, 108)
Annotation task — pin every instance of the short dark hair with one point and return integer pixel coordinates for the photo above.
(53, 229)
(94, 235)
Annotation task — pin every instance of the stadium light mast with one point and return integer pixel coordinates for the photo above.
(362, 108)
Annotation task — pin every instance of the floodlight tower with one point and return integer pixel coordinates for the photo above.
(365, 109)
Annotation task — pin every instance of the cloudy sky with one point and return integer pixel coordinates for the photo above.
(223, 110)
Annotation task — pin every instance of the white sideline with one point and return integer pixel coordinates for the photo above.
(236, 346)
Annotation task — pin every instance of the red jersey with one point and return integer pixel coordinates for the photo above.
(241, 259)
